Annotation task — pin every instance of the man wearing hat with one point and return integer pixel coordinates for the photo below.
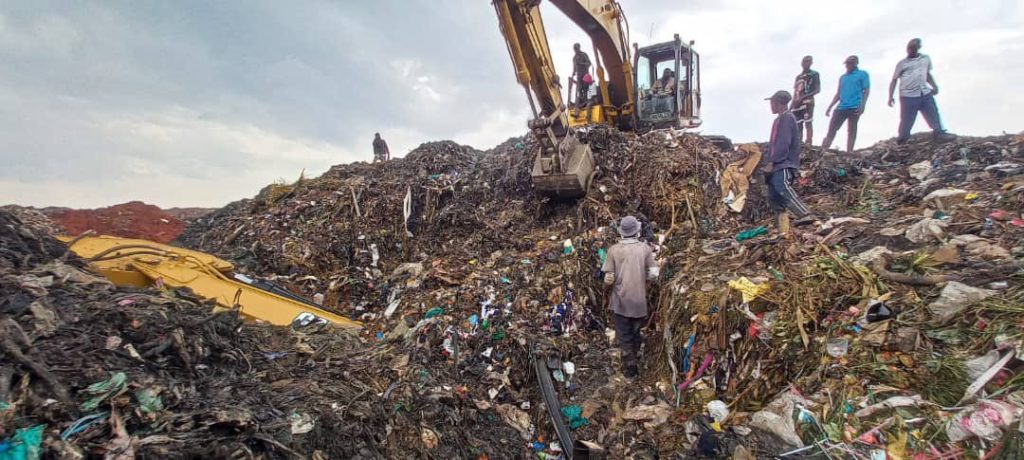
(854, 88)
(627, 267)
(782, 163)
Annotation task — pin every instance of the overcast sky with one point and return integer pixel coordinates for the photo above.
(196, 103)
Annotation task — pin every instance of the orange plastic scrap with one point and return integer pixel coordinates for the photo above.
(141, 263)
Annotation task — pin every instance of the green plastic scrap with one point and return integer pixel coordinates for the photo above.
(24, 445)
(149, 400)
(575, 415)
(752, 233)
(436, 311)
(603, 254)
(103, 390)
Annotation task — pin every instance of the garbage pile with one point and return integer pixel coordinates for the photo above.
(890, 326)
(889, 329)
(88, 370)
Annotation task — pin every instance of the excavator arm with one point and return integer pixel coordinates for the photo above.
(563, 166)
(140, 263)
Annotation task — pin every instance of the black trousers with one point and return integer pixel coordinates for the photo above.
(628, 331)
(781, 195)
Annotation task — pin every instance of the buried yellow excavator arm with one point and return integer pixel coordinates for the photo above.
(141, 263)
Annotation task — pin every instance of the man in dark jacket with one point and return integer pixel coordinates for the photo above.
(783, 162)
(380, 149)
(580, 70)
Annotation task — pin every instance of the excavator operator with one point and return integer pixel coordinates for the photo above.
(666, 84)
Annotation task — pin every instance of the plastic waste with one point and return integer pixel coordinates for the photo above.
(26, 444)
(998, 285)
(926, 230)
(149, 400)
(879, 311)
(749, 290)
(575, 416)
(752, 233)
(837, 348)
(301, 423)
(777, 418)
(984, 420)
(920, 171)
(945, 193)
(718, 411)
(103, 390)
(436, 311)
(956, 297)
(83, 424)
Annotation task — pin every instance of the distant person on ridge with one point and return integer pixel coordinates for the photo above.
(380, 149)
(782, 163)
(807, 85)
(627, 267)
(854, 88)
(917, 93)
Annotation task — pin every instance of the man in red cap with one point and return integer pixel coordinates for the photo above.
(628, 266)
(581, 71)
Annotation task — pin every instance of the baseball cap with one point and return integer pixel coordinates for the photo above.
(781, 96)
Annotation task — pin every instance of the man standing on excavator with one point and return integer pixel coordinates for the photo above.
(627, 267)
(380, 149)
(581, 72)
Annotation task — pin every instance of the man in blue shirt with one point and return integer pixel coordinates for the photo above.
(854, 87)
(782, 163)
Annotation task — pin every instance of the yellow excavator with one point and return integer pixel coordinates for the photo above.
(141, 263)
(564, 166)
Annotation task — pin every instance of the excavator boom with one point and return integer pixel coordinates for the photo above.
(564, 167)
(627, 97)
(141, 263)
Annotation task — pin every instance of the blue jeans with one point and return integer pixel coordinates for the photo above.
(909, 106)
(781, 195)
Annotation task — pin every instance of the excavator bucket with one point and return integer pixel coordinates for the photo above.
(572, 179)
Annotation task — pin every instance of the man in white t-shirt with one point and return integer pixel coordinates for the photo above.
(917, 93)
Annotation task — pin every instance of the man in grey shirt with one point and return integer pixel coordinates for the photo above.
(629, 264)
(917, 93)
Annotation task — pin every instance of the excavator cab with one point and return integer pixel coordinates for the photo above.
(673, 104)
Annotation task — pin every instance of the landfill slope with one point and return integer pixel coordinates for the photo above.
(891, 327)
(898, 225)
(110, 372)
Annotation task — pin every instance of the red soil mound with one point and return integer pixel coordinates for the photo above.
(130, 220)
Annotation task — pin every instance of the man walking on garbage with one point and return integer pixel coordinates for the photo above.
(782, 163)
(917, 93)
(627, 267)
(380, 149)
(854, 88)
